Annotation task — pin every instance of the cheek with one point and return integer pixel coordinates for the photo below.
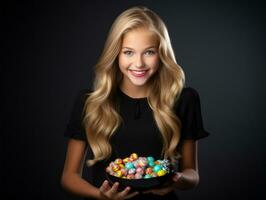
(123, 63)
(154, 62)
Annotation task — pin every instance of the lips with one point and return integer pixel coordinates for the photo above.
(138, 73)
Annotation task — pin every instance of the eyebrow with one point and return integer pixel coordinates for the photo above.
(144, 49)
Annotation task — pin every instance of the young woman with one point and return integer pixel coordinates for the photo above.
(138, 104)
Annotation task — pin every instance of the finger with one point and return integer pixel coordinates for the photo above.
(160, 191)
(114, 188)
(132, 195)
(147, 191)
(177, 176)
(157, 192)
(165, 191)
(124, 192)
(105, 187)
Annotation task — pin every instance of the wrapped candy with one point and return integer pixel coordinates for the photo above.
(134, 156)
(161, 172)
(136, 167)
(129, 165)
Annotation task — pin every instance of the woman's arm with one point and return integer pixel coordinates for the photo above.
(188, 177)
(71, 179)
(73, 182)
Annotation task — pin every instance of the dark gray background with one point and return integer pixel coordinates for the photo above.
(48, 52)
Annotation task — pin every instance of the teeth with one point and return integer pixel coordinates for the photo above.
(139, 72)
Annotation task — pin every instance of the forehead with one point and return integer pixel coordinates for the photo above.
(139, 37)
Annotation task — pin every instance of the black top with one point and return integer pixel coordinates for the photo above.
(138, 133)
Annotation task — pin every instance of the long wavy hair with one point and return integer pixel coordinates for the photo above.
(101, 116)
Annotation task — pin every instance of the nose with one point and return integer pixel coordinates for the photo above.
(139, 61)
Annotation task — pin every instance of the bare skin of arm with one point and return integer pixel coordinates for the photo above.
(188, 177)
(72, 181)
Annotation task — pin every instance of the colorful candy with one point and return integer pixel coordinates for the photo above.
(161, 172)
(134, 156)
(147, 176)
(115, 167)
(157, 168)
(118, 174)
(149, 170)
(135, 167)
(129, 165)
(150, 159)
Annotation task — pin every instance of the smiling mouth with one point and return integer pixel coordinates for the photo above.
(138, 73)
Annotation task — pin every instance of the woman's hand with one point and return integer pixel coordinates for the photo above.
(107, 192)
(169, 186)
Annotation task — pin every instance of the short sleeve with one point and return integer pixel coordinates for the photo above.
(74, 128)
(188, 109)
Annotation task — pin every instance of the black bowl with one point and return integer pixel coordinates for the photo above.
(140, 184)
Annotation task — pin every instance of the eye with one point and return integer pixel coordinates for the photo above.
(128, 53)
(149, 52)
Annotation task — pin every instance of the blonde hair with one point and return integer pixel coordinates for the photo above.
(102, 119)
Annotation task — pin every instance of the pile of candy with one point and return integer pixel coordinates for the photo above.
(135, 167)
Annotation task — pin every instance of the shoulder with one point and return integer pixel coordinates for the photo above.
(189, 93)
(81, 97)
(189, 96)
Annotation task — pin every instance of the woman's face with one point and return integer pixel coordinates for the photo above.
(138, 58)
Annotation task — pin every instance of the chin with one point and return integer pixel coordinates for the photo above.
(139, 83)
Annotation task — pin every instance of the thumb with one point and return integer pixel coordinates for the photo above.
(177, 176)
